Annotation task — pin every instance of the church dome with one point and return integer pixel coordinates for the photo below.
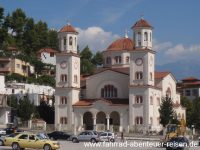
(141, 23)
(121, 44)
(68, 28)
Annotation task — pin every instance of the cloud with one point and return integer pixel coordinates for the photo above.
(169, 52)
(96, 38)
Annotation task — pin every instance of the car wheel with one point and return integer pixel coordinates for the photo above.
(74, 140)
(93, 141)
(1, 143)
(47, 147)
(15, 146)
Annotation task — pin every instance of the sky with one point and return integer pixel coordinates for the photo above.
(99, 22)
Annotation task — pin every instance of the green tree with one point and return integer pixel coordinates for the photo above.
(86, 53)
(167, 114)
(3, 29)
(87, 67)
(97, 59)
(25, 109)
(17, 23)
(195, 116)
(185, 102)
(46, 112)
(12, 101)
(53, 39)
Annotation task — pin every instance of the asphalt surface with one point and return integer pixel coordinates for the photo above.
(128, 145)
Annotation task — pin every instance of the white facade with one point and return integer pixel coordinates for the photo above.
(36, 93)
(4, 109)
(122, 95)
(47, 58)
(67, 78)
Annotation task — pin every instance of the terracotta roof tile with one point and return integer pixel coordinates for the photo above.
(190, 79)
(113, 102)
(48, 50)
(68, 28)
(160, 75)
(121, 44)
(141, 23)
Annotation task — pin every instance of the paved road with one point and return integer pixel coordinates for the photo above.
(104, 146)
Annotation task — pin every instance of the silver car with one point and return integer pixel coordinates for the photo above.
(107, 136)
(86, 136)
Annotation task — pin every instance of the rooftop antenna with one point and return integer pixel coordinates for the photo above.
(68, 22)
(126, 33)
(142, 16)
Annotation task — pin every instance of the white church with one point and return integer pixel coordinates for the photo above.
(123, 95)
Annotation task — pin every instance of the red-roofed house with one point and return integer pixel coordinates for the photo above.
(47, 55)
(124, 94)
(189, 87)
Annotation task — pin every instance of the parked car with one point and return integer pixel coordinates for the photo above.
(59, 135)
(2, 132)
(178, 143)
(90, 136)
(107, 136)
(1, 141)
(30, 140)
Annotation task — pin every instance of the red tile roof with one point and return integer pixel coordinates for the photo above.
(113, 102)
(68, 28)
(160, 75)
(141, 23)
(190, 79)
(121, 44)
(48, 50)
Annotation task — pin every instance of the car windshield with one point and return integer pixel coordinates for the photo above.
(95, 133)
(41, 136)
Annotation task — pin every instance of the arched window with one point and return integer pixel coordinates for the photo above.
(138, 75)
(138, 99)
(109, 91)
(145, 36)
(63, 100)
(150, 36)
(65, 41)
(118, 59)
(108, 60)
(151, 100)
(139, 38)
(168, 93)
(127, 59)
(151, 76)
(75, 41)
(63, 78)
(63, 120)
(75, 79)
(70, 40)
(158, 101)
(138, 120)
(151, 120)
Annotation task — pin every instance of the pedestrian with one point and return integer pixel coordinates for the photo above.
(122, 136)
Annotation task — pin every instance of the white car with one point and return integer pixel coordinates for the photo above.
(107, 136)
(2, 132)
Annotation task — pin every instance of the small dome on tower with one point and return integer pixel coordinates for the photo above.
(141, 23)
(68, 28)
(121, 44)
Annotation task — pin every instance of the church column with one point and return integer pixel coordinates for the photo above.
(80, 126)
(108, 122)
(121, 123)
(94, 122)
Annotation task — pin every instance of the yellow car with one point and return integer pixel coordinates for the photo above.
(30, 140)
